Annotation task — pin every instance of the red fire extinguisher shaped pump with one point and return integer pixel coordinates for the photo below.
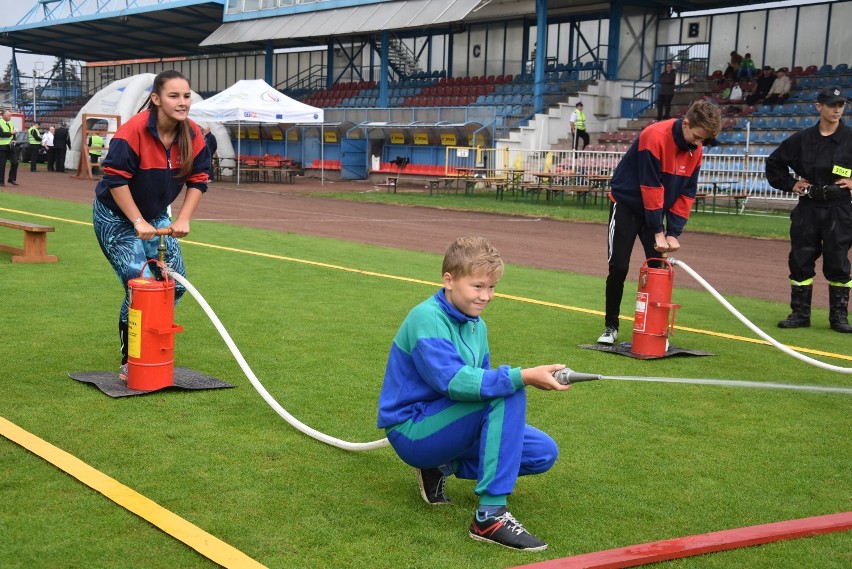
(151, 330)
(654, 319)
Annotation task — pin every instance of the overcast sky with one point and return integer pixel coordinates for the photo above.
(13, 11)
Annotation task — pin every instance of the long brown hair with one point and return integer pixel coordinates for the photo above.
(184, 128)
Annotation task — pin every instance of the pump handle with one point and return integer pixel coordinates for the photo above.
(164, 231)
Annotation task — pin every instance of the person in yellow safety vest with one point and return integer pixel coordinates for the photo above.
(578, 126)
(7, 149)
(96, 144)
(35, 144)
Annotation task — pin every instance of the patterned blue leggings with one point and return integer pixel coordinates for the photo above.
(128, 254)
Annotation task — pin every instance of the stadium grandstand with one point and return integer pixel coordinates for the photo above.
(412, 79)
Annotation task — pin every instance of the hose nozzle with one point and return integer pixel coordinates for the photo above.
(568, 376)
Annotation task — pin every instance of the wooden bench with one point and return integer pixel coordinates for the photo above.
(499, 182)
(534, 191)
(433, 183)
(35, 242)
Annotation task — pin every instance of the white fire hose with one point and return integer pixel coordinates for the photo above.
(564, 376)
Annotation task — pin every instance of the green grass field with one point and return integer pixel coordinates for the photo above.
(639, 461)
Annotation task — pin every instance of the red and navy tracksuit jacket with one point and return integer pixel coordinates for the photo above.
(659, 176)
(138, 159)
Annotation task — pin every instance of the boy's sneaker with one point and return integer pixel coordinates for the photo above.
(609, 336)
(431, 482)
(505, 530)
(122, 372)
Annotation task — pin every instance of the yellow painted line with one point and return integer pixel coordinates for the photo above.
(42, 216)
(207, 545)
(506, 296)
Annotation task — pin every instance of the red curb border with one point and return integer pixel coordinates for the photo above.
(668, 549)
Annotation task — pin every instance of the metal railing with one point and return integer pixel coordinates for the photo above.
(741, 174)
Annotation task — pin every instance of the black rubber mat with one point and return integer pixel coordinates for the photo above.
(623, 349)
(184, 378)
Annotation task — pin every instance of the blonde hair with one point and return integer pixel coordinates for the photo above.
(469, 255)
(702, 114)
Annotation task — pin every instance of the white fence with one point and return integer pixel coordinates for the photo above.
(737, 173)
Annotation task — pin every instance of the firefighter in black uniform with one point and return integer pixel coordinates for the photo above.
(821, 223)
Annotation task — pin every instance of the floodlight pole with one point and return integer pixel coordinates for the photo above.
(36, 70)
(35, 76)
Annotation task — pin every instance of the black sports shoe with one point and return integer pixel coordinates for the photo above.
(505, 530)
(431, 482)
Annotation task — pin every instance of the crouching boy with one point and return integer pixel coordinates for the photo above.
(448, 413)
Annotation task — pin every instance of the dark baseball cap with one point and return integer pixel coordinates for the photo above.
(831, 95)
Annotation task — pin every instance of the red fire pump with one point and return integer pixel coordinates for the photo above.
(654, 319)
(151, 329)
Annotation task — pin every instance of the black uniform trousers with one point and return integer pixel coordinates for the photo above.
(624, 227)
(7, 153)
(820, 228)
(581, 135)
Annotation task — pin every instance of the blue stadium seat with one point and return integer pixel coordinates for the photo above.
(759, 122)
(825, 70)
(840, 69)
(775, 122)
(804, 83)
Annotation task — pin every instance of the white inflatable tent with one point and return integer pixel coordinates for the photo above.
(124, 98)
(255, 101)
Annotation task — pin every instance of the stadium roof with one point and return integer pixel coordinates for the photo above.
(181, 28)
(150, 29)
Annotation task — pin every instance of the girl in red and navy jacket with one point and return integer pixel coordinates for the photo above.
(653, 188)
(151, 157)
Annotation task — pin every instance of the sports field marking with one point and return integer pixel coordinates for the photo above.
(207, 545)
(668, 549)
(733, 337)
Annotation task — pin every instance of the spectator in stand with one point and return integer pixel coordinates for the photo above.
(61, 145)
(666, 92)
(780, 88)
(736, 95)
(732, 72)
(762, 86)
(746, 68)
(47, 142)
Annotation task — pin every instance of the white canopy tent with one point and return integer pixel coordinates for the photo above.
(256, 101)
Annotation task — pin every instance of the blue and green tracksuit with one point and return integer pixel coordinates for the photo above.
(441, 403)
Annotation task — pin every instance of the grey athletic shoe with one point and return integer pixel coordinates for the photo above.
(609, 336)
(503, 529)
